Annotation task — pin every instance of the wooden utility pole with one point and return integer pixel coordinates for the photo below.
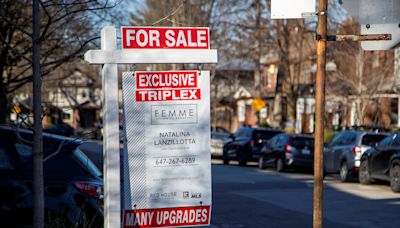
(319, 112)
(38, 192)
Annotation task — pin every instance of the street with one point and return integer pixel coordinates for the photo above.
(250, 197)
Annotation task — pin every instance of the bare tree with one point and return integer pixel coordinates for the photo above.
(67, 28)
(362, 74)
(32, 48)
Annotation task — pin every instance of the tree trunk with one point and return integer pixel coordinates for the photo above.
(3, 104)
(38, 188)
(291, 100)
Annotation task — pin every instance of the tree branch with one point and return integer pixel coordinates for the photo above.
(171, 14)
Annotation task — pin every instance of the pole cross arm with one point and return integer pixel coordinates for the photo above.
(366, 37)
(151, 56)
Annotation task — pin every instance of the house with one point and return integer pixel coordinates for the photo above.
(79, 98)
(232, 91)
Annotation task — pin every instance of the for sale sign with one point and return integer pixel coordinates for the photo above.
(165, 37)
(167, 167)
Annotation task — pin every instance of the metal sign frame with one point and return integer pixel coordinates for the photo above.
(110, 56)
(286, 9)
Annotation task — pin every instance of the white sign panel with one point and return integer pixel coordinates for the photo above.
(392, 29)
(167, 164)
(373, 11)
(286, 9)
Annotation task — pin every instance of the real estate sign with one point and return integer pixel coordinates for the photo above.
(167, 167)
(165, 37)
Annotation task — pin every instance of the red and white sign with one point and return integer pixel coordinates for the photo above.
(167, 171)
(166, 86)
(162, 217)
(165, 37)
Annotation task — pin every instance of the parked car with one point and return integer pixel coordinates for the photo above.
(217, 144)
(342, 154)
(72, 183)
(288, 151)
(93, 149)
(246, 143)
(382, 162)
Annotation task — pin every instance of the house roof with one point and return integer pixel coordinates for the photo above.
(237, 64)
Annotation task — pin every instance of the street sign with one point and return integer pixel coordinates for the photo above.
(286, 9)
(264, 112)
(167, 172)
(165, 37)
(258, 104)
(376, 17)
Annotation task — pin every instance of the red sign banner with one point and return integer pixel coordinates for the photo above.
(166, 86)
(165, 37)
(166, 79)
(167, 217)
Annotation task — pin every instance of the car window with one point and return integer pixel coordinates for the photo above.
(396, 141)
(386, 141)
(282, 139)
(24, 151)
(349, 138)
(243, 132)
(265, 135)
(274, 139)
(5, 162)
(371, 139)
(336, 139)
(301, 142)
(86, 162)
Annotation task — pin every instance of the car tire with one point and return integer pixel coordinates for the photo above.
(279, 165)
(261, 162)
(363, 176)
(344, 172)
(242, 160)
(395, 178)
(324, 173)
(225, 160)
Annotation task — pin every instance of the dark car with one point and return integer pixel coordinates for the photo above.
(72, 184)
(382, 162)
(93, 149)
(246, 143)
(288, 151)
(342, 154)
(218, 136)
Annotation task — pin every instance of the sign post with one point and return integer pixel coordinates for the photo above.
(319, 114)
(151, 45)
(285, 10)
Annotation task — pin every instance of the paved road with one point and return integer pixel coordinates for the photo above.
(249, 197)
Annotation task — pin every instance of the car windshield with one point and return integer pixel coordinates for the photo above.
(244, 132)
(371, 139)
(87, 163)
(265, 134)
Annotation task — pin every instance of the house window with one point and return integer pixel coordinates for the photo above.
(271, 73)
(269, 83)
(66, 116)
